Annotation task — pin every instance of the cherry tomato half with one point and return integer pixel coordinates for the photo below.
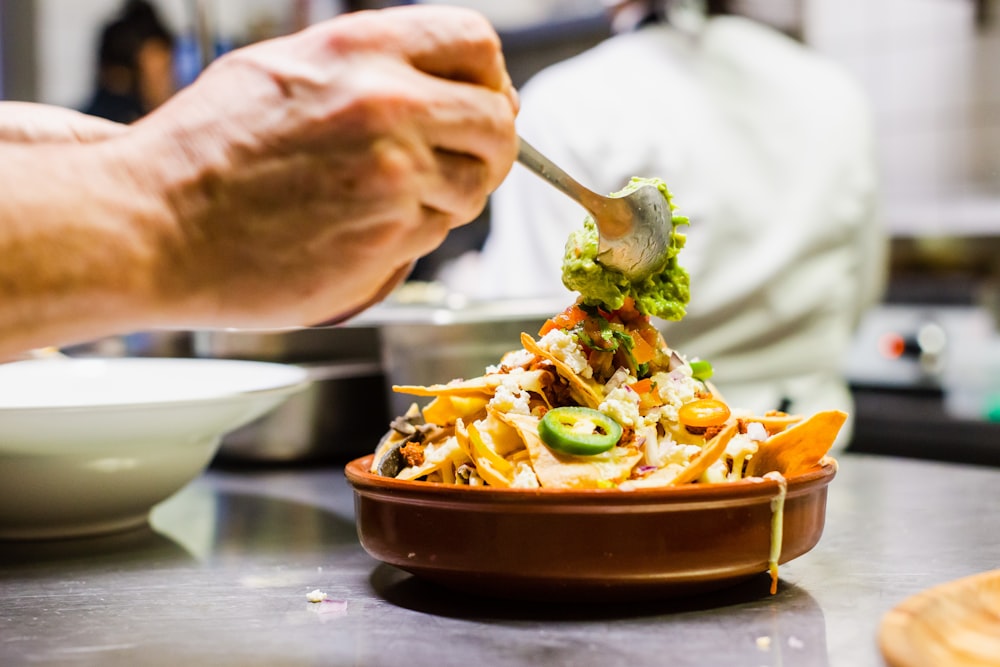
(703, 412)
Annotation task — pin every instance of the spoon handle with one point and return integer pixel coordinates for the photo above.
(528, 156)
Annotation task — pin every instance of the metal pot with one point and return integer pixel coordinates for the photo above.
(323, 344)
(342, 414)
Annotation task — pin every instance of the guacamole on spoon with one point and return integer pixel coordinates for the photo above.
(664, 294)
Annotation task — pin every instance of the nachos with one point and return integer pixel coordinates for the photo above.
(596, 400)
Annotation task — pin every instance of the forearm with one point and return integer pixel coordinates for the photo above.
(293, 182)
(26, 122)
(75, 262)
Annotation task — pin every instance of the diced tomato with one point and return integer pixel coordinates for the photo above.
(601, 361)
(652, 336)
(648, 398)
(628, 312)
(642, 386)
(642, 351)
(567, 319)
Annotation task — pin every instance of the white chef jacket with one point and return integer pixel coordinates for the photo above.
(766, 146)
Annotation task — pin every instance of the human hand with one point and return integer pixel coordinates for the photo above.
(304, 174)
(25, 122)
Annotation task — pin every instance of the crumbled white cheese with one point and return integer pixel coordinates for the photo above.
(674, 452)
(756, 431)
(524, 477)
(674, 389)
(519, 358)
(564, 347)
(511, 398)
(622, 405)
(316, 596)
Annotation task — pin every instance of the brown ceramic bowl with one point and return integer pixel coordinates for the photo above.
(606, 544)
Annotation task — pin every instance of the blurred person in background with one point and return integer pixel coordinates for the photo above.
(135, 72)
(294, 182)
(766, 146)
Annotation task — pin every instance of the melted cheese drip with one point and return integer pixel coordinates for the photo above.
(777, 524)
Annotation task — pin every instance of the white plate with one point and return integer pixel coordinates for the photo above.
(90, 445)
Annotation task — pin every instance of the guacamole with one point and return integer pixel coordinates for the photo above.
(663, 294)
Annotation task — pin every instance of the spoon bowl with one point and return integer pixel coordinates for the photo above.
(633, 229)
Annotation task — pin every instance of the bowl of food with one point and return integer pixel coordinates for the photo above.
(589, 544)
(589, 466)
(91, 445)
(594, 461)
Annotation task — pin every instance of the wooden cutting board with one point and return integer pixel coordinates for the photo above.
(954, 624)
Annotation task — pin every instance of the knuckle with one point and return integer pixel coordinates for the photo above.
(393, 166)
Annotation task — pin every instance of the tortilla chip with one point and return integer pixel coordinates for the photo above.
(716, 394)
(484, 384)
(462, 437)
(486, 460)
(446, 409)
(673, 475)
(775, 422)
(710, 453)
(572, 472)
(799, 447)
(503, 438)
(586, 392)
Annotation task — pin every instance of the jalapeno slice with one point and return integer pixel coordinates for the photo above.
(579, 431)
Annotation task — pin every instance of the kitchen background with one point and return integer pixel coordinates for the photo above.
(926, 363)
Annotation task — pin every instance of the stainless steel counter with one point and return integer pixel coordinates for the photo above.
(222, 579)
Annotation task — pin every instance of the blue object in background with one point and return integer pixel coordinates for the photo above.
(187, 60)
(187, 57)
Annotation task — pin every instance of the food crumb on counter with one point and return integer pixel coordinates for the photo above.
(316, 596)
(795, 642)
(328, 610)
(764, 643)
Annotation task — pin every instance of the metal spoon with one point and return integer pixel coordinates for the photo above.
(634, 230)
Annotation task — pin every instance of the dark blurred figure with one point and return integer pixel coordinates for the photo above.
(135, 71)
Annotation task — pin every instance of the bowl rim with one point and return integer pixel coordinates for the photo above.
(363, 481)
(298, 379)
